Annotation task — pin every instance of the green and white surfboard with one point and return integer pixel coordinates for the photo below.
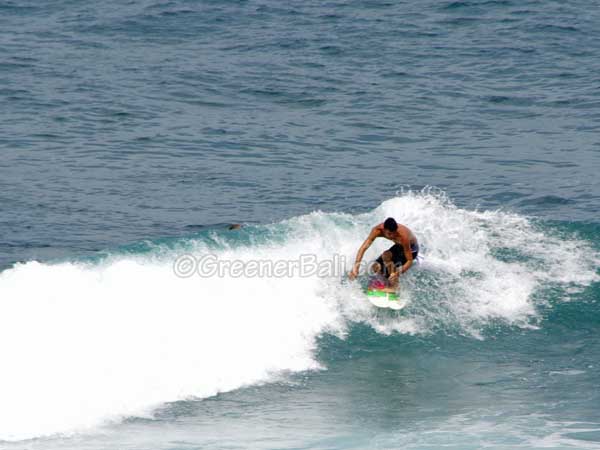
(383, 299)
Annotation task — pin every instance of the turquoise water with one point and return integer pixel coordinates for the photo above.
(134, 133)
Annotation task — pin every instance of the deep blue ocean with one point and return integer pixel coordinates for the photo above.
(132, 133)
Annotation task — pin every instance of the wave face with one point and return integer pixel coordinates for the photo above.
(85, 343)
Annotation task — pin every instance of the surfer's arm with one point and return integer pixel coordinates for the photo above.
(361, 251)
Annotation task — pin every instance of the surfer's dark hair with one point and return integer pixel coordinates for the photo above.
(390, 224)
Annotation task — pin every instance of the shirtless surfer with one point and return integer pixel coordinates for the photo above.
(395, 260)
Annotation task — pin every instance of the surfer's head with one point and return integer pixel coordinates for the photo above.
(390, 225)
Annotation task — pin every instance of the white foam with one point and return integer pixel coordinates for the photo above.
(85, 344)
(463, 284)
(82, 344)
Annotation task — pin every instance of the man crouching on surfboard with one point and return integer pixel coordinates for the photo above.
(395, 260)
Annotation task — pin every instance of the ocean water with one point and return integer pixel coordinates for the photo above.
(133, 132)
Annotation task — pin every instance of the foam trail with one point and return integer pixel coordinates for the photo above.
(87, 343)
(82, 344)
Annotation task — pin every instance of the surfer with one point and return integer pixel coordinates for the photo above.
(395, 260)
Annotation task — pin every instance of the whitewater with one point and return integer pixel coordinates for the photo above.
(89, 343)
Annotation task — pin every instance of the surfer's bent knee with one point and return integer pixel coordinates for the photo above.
(376, 267)
(386, 256)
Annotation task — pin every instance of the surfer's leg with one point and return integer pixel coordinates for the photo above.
(393, 284)
(388, 263)
(376, 268)
(396, 260)
(398, 256)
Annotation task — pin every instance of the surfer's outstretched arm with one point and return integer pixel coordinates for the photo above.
(361, 251)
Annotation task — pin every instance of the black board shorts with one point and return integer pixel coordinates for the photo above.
(398, 257)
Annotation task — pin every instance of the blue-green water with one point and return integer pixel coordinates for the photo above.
(133, 133)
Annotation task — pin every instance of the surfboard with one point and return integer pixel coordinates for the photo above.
(382, 299)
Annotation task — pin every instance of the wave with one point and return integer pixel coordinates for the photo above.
(85, 343)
